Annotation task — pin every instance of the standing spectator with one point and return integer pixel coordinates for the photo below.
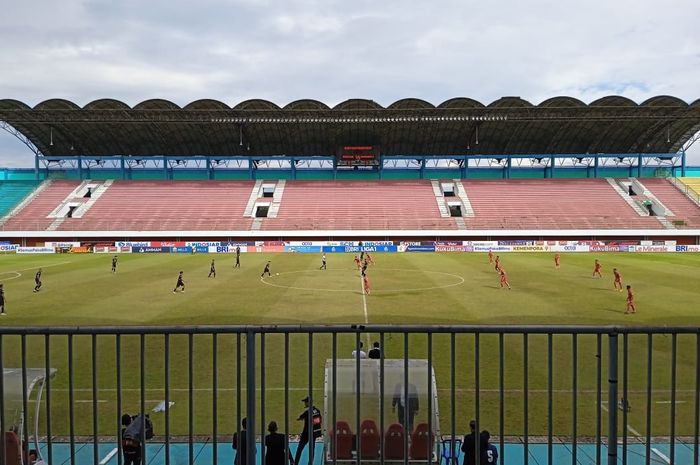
(2, 300)
(468, 445)
(376, 352)
(489, 452)
(239, 443)
(359, 352)
(277, 447)
(308, 435)
(131, 445)
(406, 410)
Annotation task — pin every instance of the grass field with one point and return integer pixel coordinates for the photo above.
(406, 289)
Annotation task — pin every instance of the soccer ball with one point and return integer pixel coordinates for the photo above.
(277, 274)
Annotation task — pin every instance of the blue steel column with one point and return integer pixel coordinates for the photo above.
(551, 166)
(210, 172)
(122, 163)
(506, 171)
(639, 165)
(166, 171)
(683, 163)
(293, 166)
(422, 168)
(36, 166)
(250, 397)
(612, 399)
(465, 168)
(595, 166)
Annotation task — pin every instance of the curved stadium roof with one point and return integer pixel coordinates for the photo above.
(458, 126)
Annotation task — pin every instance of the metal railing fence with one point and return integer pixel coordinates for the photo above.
(504, 377)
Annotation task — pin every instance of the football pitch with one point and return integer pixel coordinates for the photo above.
(408, 288)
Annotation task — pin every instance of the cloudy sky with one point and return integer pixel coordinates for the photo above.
(332, 50)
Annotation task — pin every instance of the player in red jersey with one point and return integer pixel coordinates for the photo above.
(357, 262)
(596, 270)
(557, 259)
(365, 284)
(490, 257)
(617, 284)
(498, 263)
(630, 301)
(369, 259)
(504, 278)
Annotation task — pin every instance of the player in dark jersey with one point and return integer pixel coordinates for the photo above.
(37, 281)
(114, 264)
(2, 300)
(364, 267)
(323, 262)
(180, 283)
(266, 270)
(212, 270)
(238, 257)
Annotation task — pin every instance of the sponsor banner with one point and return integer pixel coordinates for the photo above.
(62, 245)
(125, 249)
(133, 244)
(220, 249)
(80, 250)
(303, 248)
(569, 248)
(530, 248)
(182, 249)
(482, 244)
(304, 243)
(358, 249)
(439, 247)
(203, 244)
(420, 248)
(36, 250)
(168, 244)
(7, 247)
(449, 243)
(497, 248)
(201, 249)
(651, 248)
(105, 249)
(141, 249)
(269, 244)
(598, 247)
(516, 242)
(377, 243)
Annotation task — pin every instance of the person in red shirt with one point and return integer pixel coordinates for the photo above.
(357, 262)
(630, 301)
(504, 278)
(618, 280)
(490, 257)
(556, 260)
(498, 263)
(365, 284)
(369, 258)
(596, 270)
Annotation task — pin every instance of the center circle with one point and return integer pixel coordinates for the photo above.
(17, 274)
(458, 280)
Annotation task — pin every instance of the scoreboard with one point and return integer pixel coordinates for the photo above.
(358, 155)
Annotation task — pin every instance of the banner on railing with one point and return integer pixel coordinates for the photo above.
(152, 249)
(9, 247)
(60, 245)
(31, 250)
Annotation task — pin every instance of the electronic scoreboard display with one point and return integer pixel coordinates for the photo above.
(358, 155)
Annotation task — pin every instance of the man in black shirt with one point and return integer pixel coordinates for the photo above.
(37, 281)
(266, 270)
(180, 283)
(212, 269)
(468, 445)
(239, 443)
(114, 264)
(238, 257)
(2, 300)
(308, 434)
(277, 448)
(376, 352)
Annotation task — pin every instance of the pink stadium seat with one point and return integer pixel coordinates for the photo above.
(341, 441)
(394, 442)
(682, 207)
(369, 439)
(421, 443)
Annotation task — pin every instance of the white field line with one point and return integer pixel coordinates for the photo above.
(668, 402)
(243, 388)
(109, 456)
(661, 454)
(37, 267)
(629, 428)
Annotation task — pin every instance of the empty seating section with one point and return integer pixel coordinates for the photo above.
(33, 216)
(167, 206)
(342, 205)
(12, 193)
(683, 208)
(693, 185)
(551, 204)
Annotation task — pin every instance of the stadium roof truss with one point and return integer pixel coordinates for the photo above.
(506, 129)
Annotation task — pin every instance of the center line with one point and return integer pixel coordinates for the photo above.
(364, 305)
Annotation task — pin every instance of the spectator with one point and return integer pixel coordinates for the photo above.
(489, 453)
(468, 445)
(239, 443)
(131, 447)
(359, 352)
(308, 434)
(376, 352)
(406, 410)
(277, 447)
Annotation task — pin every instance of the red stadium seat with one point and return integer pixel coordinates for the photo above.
(421, 443)
(341, 441)
(393, 442)
(369, 439)
(13, 450)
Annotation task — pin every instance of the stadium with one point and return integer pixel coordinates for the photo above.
(463, 238)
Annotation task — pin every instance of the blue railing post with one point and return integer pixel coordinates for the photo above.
(250, 397)
(612, 398)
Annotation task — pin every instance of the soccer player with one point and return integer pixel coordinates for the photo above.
(364, 267)
(498, 263)
(557, 259)
(114, 264)
(617, 284)
(630, 301)
(238, 257)
(266, 270)
(369, 259)
(2, 300)
(596, 270)
(504, 278)
(357, 262)
(180, 283)
(323, 262)
(490, 257)
(212, 269)
(365, 284)
(37, 281)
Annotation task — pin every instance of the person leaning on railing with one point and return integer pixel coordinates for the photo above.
(276, 447)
